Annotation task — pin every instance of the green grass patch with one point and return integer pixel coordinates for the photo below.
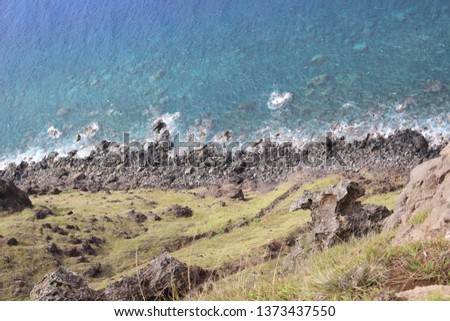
(387, 199)
(420, 217)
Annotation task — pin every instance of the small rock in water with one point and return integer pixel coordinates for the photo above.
(158, 75)
(159, 125)
(54, 133)
(64, 111)
(277, 100)
(94, 82)
(433, 86)
(91, 130)
(360, 46)
(317, 59)
(402, 107)
(319, 80)
(247, 105)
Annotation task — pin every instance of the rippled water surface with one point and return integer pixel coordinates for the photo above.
(101, 68)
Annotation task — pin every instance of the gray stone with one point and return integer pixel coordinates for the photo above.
(164, 278)
(62, 285)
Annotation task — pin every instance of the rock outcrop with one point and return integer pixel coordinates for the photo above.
(441, 292)
(337, 216)
(63, 285)
(164, 278)
(12, 198)
(423, 208)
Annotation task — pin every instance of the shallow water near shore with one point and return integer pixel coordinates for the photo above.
(103, 68)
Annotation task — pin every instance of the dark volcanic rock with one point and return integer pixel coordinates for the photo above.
(63, 285)
(73, 252)
(136, 216)
(115, 167)
(165, 278)
(155, 217)
(94, 270)
(87, 249)
(52, 248)
(239, 195)
(59, 230)
(179, 211)
(42, 214)
(12, 198)
(12, 242)
(337, 216)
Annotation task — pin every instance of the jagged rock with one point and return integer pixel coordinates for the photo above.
(159, 125)
(165, 278)
(73, 252)
(336, 215)
(12, 198)
(86, 248)
(79, 177)
(423, 208)
(62, 285)
(179, 211)
(155, 217)
(239, 195)
(137, 217)
(52, 248)
(94, 270)
(106, 168)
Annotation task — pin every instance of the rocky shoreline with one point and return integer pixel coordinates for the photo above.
(112, 166)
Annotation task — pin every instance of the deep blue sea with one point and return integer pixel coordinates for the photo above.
(296, 68)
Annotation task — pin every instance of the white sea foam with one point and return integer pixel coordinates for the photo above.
(54, 133)
(278, 100)
(435, 129)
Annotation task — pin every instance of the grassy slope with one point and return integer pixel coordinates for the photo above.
(128, 245)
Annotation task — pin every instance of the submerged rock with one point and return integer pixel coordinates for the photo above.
(337, 216)
(53, 132)
(319, 81)
(317, 59)
(360, 46)
(277, 100)
(62, 285)
(62, 112)
(12, 198)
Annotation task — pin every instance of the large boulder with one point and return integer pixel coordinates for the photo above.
(12, 198)
(62, 285)
(423, 208)
(337, 215)
(164, 278)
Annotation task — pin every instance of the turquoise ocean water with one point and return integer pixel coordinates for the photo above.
(100, 68)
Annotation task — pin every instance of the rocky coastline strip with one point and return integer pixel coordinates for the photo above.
(112, 166)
